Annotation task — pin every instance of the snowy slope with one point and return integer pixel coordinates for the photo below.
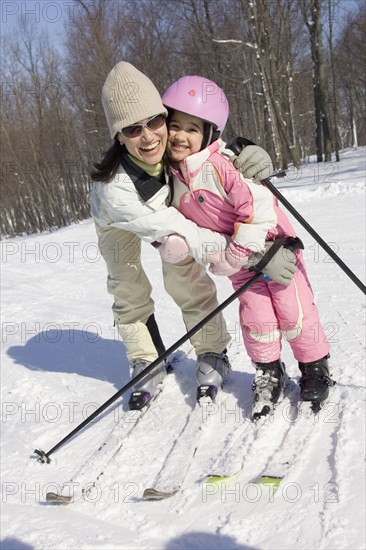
(61, 358)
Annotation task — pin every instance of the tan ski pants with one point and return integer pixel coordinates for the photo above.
(187, 283)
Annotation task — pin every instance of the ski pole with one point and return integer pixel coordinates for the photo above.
(292, 243)
(237, 145)
(44, 457)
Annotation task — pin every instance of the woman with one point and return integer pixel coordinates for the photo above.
(129, 202)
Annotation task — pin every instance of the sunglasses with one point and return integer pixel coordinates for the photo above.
(135, 130)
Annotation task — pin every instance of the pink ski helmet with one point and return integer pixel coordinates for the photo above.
(199, 97)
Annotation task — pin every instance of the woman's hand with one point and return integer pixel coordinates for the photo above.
(173, 249)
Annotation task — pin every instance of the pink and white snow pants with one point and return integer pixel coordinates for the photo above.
(269, 311)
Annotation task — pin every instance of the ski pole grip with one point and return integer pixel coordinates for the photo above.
(237, 144)
(293, 244)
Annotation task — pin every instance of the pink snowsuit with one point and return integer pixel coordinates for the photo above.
(216, 196)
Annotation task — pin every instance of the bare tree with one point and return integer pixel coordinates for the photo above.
(53, 127)
(311, 11)
(38, 184)
(351, 63)
(333, 71)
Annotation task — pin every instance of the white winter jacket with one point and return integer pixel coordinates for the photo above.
(136, 202)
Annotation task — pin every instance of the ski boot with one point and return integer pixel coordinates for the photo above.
(212, 370)
(267, 387)
(315, 382)
(146, 388)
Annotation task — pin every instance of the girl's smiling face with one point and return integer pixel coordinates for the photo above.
(185, 136)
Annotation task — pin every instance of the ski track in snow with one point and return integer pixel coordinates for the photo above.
(61, 358)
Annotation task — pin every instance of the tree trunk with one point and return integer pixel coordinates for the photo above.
(311, 10)
(335, 87)
(262, 55)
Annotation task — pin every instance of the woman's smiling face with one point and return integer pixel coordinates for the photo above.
(149, 146)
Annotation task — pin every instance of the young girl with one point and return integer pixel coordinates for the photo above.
(209, 191)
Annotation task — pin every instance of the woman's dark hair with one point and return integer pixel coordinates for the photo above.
(106, 169)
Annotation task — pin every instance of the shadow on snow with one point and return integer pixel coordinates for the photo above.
(74, 351)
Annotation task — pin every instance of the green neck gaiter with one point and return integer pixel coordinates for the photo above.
(154, 170)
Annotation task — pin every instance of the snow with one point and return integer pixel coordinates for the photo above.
(61, 359)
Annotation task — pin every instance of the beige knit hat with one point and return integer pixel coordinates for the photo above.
(129, 96)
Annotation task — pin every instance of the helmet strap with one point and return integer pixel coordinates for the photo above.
(209, 135)
(215, 135)
(209, 138)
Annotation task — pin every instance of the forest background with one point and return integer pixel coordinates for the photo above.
(293, 71)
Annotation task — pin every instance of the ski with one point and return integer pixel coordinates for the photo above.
(292, 439)
(231, 462)
(57, 498)
(175, 468)
(295, 437)
(109, 448)
(304, 427)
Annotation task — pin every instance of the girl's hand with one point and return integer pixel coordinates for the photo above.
(253, 162)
